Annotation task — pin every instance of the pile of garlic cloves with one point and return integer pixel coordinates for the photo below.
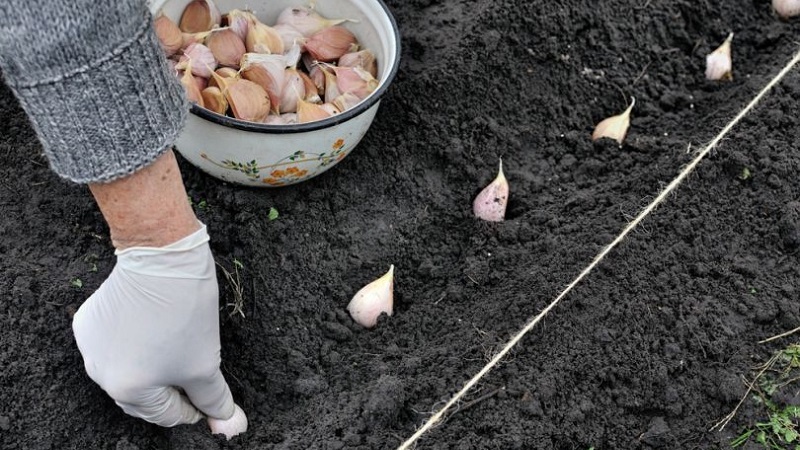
(304, 68)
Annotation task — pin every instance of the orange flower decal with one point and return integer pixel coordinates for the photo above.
(338, 144)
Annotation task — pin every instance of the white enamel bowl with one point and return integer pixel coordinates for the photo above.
(263, 155)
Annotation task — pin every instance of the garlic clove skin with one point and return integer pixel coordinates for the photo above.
(289, 118)
(614, 127)
(274, 119)
(372, 300)
(232, 427)
(490, 204)
(200, 15)
(330, 44)
(786, 8)
(305, 20)
(169, 35)
(719, 65)
(330, 108)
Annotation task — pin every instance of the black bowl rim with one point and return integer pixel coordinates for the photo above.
(319, 124)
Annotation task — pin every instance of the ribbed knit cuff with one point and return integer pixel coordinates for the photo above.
(108, 119)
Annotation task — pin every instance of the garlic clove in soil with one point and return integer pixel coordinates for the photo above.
(718, 63)
(490, 204)
(232, 427)
(614, 127)
(169, 35)
(786, 8)
(372, 300)
(200, 15)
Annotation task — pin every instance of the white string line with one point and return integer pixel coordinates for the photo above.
(600, 256)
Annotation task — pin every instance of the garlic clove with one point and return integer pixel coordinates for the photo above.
(203, 61)
(263, 39)
(268, 72)
(292, 55)
(364, 59)
(330, 44)
(331, 86)
(214, 100)
(200, 15)
(247, 100)
(226, 47)
(289, 118)
(614, 127)
(169, 35)
(309, 112)
(786, 8)
(312, 93)
(355, 80)
(190, 86)
(224, 72)
(274, 119)
(373, 300)
(346, 101)
(330, 108)
(238, 21)
(718, 63)
(293, 88)
(490, 204)
(232, 427)
(305, 20)
(289, 35)
(194, 38)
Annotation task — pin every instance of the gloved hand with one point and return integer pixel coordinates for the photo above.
(152, 328)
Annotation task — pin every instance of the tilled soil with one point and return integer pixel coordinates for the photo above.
(647, 352)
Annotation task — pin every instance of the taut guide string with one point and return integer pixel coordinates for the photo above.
(600, 256)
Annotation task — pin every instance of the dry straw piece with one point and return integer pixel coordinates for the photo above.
(439, 415)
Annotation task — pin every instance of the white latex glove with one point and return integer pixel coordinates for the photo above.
(153, 327)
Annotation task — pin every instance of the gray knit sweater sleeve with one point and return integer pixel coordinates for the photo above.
(94, 82)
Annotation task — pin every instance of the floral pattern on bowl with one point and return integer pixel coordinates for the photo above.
(291, 169)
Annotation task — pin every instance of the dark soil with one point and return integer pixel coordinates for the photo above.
(648, 352)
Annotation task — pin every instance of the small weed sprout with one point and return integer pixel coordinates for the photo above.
(235, 283)
(273, 214)
(76, 283)
(780, 430)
